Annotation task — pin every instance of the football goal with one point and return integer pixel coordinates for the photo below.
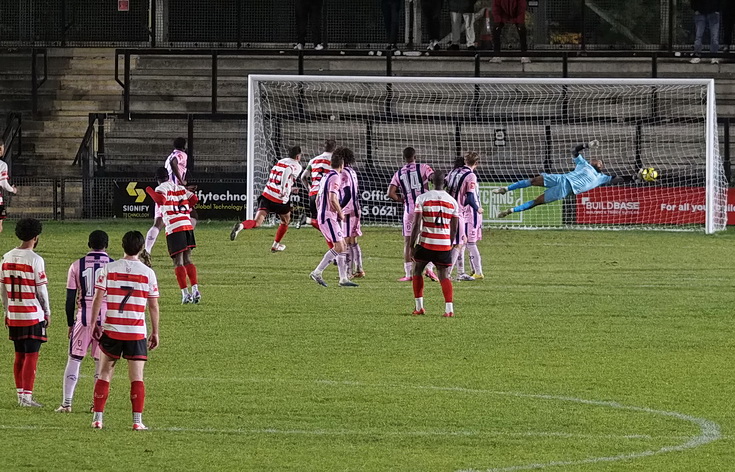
(521, 128)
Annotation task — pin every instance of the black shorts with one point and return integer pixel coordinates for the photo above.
(130, 350)
(180, 241)
(442, 258)
(3, 212)
(312, 207)
(273, 207)
(22, 333)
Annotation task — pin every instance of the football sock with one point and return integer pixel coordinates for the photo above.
(348, 260)
(419, 303)
(97, 416)
(194, 288)
(315, 224)
(18, 370)
(522, 207)
(137, 399)
(447, 290)
(330, 244)
(281, 232)
(418, 286)
(358, 255)
(475, 258)
(520, 184)
(180, 272)
(309, 221)
(101, 392)
(342, 266)
(460, 260)
(29, 371)
(191, 271)
(329, 256)
(150, 238)
(248, 224)
(408, 267)
(71, 375)
(449, 307)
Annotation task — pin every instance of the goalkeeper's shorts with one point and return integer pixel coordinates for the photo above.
(557, 187)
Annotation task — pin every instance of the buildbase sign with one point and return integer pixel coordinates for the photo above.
(654, 205)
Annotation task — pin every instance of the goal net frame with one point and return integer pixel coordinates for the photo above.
(715, 197)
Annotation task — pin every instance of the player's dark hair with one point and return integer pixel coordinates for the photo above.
(28, 228)
(180, 143)
(438, 180)
(133, 242)
(98, 240)
(161, 174)
(348, 157)
(338, 159)
(294, 151)
(458, 161)
(471, 158)
(330, 145)
(409, 154)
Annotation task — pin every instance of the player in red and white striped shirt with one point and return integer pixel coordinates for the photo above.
(435, 225)
(130, 287)
(176, 204)
(176, 166)
(276, 198)
(26, 306)
(4, 185)
(312, 175)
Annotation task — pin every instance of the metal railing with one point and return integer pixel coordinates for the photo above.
(12, 137)
(36, 80)
(302, 57)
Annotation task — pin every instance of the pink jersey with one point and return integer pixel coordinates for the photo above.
(22, 271)
(128, 285)
(330, 184)
(349, 184)
(281, 179)
(460, 183)
(181, 159)
(319, 166)
(82, 274)
(413, 180)
(437, 208)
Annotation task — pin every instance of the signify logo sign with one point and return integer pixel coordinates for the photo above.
(138, 193)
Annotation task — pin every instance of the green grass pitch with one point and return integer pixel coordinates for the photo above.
(580, 351)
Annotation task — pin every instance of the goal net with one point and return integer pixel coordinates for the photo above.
(520, 128)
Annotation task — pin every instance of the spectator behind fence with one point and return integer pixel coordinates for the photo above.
(727, 11)
(459, 10)
(706, 14)
(431, 10)
(392, 16)
(309, 11)
(513, 12)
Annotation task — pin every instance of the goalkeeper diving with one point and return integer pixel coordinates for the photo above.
(585, 176)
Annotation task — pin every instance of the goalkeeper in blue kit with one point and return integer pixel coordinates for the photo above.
(585, 176)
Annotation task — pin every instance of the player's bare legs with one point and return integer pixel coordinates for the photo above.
(102, 388)
(150, 240)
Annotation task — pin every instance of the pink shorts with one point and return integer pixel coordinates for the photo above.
(351, 226)
(159, 213)
(332, 230)
(81, 340)
(473, 228)
(461, 237)
(407, 223)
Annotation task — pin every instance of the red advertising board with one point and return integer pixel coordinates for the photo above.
(653, 205)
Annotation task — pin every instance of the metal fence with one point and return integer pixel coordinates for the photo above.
(565, 24)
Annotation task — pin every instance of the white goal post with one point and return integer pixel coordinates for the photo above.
(520, 128)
